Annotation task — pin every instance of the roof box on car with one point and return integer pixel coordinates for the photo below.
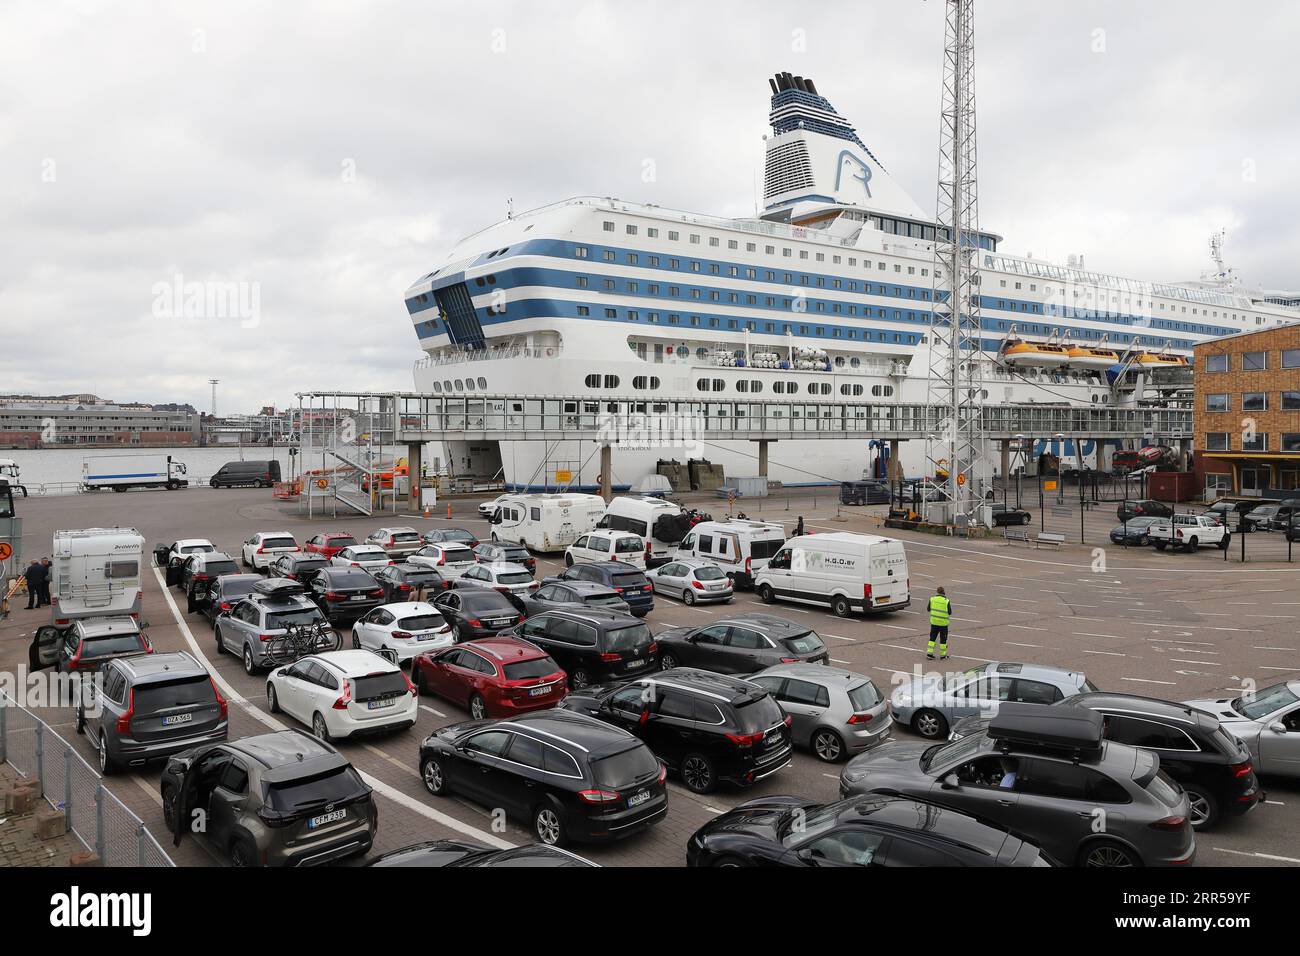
(1076, 729)
(280, 588)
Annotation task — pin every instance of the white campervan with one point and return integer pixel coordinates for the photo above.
(848, 571)
(546, 522)
(95, 572)
(661, 523)
(740, 546)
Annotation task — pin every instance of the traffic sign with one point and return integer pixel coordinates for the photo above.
(6, 551)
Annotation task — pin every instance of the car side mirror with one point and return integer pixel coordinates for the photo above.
(951, 782)
(1277, 727)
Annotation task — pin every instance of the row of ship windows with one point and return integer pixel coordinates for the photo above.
(1251, 402)
(713, 322)
(460, 385)
(639, 382)
(1258, 441)
(654, 262)
(1251, 361)
(754, 386)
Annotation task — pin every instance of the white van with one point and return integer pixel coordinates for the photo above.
(546, 522)
(740, 546)
(660, 522)
(608, 546)
(848, 571)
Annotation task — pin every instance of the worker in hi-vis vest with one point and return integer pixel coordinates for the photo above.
(940, 615)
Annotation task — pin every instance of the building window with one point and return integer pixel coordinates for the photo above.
(608, 226)
(1216, 441)
(1254, 402)
(1256, 442)
(631, 230)
(1291, 358)
(1216, 363)
(1254, 361)
(1290, 401)
(1217, 403)
(1290, 441)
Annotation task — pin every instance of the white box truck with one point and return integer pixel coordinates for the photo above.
(850, 572)
(121, 472)
(545, 522)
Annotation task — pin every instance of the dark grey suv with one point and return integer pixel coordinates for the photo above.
(149, 707)
(741, 644)
(282, 799)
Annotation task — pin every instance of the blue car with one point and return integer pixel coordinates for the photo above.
(631, 583)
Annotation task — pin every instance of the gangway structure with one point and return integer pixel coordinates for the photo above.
(347, 453)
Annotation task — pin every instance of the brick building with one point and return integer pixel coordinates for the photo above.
(1246, 419)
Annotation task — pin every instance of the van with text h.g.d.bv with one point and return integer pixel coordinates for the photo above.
(862, 572)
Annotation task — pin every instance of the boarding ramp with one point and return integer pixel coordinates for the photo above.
(347, 455)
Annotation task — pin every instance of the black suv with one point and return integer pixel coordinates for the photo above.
(631, 583)
(404, 582)
(572, 777)
(225, 592)
(199, 571)
(704, 726)
(296, 567)
(741, 645)
(1213, 766)
(593, 645)
(344, 593)
(475, 612)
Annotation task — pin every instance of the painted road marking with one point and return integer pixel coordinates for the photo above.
(1143, 680)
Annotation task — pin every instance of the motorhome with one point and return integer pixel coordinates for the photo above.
(95, 572)
(848, 571)
(740, 546)
(546, 522)
(661, 523)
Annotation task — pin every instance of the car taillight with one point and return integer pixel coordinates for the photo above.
(597, 796)
(264, 638)
(788, 720)
(502, 588)
(76, 658)
(475, 622)
(403, 587)
(860, 718)
(663, 774)
(221, 701)
(697, 585)
(403, 635)
(618, 590)
(744, 741)
(789, 660)
(332, 595)
(202, 577)
(410, 688)
(866, 591)
(748, 565)
(654, 647)
(442, 557)
(345, 698)
(261, 550)
(225, 605)
(1169, 823)
(609, 658)
(1241, 769)
(377, 592)
(124, 722)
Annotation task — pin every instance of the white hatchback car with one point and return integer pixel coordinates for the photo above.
(405, 629)
(344, 693)
(368, 557)
(504, 577)
(448, 559)
(607, 546)
(265, 547)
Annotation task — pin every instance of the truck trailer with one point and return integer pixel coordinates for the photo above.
(121, 472)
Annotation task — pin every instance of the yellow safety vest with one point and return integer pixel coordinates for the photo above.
(940, 609)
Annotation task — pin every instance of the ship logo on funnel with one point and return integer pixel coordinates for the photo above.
(861, 171)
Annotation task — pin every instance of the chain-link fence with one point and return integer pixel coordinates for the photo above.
(91, 812)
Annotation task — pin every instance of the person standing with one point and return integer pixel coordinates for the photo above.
(45, 582)
(34, 574)
(798, 528)
(940, 616)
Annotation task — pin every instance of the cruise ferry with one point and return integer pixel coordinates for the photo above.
(825, 296)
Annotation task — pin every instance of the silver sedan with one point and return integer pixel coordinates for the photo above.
(691, 580)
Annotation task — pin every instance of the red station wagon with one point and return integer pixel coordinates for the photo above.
(493, 676)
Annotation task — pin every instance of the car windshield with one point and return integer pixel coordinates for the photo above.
(236, 589)
(811, 824)
(625, 768)
(1265, 702)
(945, 754)
(458, 554)
(758, 714)
(105, 646)
(422, 622)
(538, 667)
(379, 685)
(709, 573)
(635, 637)
(324, 788)
(864, 696)
(457, 535)
(515, 577)
(516, 554)
(483, 599)
(806, 643)
(765, 549)
(1164, 789)
(351, 579)
(166, 695)
(279, 543)
(278, 620)
(197, 549)
(341, 541)
(214, 568)
(1141, 522)
(307, 564)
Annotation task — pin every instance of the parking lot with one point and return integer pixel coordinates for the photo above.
(1169, 625)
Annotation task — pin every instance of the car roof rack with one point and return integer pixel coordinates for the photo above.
(1072, 730)
(278, 588)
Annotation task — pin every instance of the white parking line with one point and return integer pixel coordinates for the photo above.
(1015, 644)
(1256, 854)
(1107, 653)
(1143, 680)
(1180, 660)
(235, 697)
(1264, 648)
(431, 710)
(836, 660)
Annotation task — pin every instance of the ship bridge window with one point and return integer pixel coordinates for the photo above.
(437, 386)
(584, 310)
(631, 230)
(732, 244)
(607, 225)
(611, 313)
(447, 384)
(581, 252)
(882, 391)
(633, 258)
(713, 240)
(672, 237)
(653, 233)
(695, 239)
(460, 385)
(469, 385)
(850, 389)
(643, 382)
(580, 282)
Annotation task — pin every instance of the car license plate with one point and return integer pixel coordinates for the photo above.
(357, 597)
(882, 600)
(380, 704)
(326, 818)
(427, 637)
(537, 691)
(173, 719)
(638, 798)
(632, 592)
(499, 622)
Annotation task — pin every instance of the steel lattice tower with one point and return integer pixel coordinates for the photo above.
(955, 376)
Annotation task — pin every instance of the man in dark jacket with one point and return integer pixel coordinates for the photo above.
(35, 575)
(45, 584)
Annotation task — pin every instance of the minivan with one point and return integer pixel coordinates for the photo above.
(249, 474)
(848, 571)
(592, 645)
(740, 546)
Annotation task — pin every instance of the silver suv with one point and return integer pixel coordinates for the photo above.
(833, 712)
(248, 627)
(149, 707)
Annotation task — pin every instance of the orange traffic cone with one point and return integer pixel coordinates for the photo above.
(449, 510)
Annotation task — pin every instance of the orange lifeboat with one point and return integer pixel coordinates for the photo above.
(1082, 356)
(1041, 354)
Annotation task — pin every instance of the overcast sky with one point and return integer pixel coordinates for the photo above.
(327, 154)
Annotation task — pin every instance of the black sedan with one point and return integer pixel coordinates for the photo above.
(224, 593)
(741, 644)
(476, 612)
(467, 853)
(871, 830)
(344, 593)
(410, 582)
(1146, 508)
(1007, 515)
(1135, 532)
(566, 595)
(296, 567)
